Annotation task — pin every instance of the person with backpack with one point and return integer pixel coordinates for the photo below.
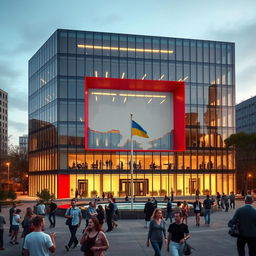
(207, 210)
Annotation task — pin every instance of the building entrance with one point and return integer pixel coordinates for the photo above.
(140, 187)
(83, 188)
(194, 184)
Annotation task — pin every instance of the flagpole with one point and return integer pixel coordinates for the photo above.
(131, 163)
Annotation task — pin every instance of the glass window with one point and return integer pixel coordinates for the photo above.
(139, 45)
(63, 66)
(114, 69)
(63, 42)
(199, 51)
(80, 89)
(80, 66)
(71, 111)
(178, 49)
(63, 111)
(186, 50)
(71, 88)
(156, 46)
(172, 72)
(72, 42)
(63, 88)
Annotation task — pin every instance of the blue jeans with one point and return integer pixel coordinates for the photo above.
(52, 219)
(157, 246)
(176, 249)
(207, 216)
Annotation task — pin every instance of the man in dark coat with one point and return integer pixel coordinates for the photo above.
(148, 210)
(109, 214)
(245, 217)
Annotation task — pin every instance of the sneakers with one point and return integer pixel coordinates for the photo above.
(67, 248)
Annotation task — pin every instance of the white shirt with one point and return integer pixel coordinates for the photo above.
(15, 219)
(38, 244)
(40, 209)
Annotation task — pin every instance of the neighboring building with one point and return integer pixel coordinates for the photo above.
(246, 116)
(23, 144)
(246, 122)
(3, 123)
(57, 156)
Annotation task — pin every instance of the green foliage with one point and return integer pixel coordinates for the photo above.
(45, 195)
(3, 195)
(241, 140)
(11, 194)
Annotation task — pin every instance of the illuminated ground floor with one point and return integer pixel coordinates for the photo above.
(145, 184)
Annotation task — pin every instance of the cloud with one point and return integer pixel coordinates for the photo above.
(18, 126)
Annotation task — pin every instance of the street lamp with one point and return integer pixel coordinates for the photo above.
(8, 174)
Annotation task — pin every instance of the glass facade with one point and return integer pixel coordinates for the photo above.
(56, 114)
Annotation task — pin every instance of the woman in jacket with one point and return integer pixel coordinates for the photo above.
(157, 231)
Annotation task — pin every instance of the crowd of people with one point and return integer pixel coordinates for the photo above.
(94, 241)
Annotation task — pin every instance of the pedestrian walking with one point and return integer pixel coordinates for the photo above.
(16, 220)
(2, 223)
(168, 210)
(232, 200)
(178, 233)
(94, 242)
(90, 212)
(157, 231)
(52, 213)
(103, 196)
(101, 215)
(218, 198)
(115, 214)
(40, 209)
(74, 213)
(197, 211)
(224, 199)
(27, 223)
(109, 214)
(38, 243)
(197, 193)
(184, 211)
(148, 211)
(154, 202)
(172, 196)
(11, 212)
(207, 210)
(245, 218)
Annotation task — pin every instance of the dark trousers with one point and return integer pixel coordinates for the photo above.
(232, 204)
(73, 238)
(242, 241)
(157, 246)
(52, 219)
(109, 222)
(1, 238)
(168, 216)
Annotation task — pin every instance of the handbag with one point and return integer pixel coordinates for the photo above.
(234, 229)
(187, 249)
(68, 220)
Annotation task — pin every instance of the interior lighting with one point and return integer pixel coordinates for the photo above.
(162, 76)
(96, 98)
(99, 47)
(96, 73)
(113, 99)
(185, 78)
(106, 74)
(144, 76)
(162, 101)
(123, 75)
(125, 99)
(104, 93)
(149, 100)
(141, 95)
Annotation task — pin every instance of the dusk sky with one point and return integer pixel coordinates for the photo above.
(26, 24)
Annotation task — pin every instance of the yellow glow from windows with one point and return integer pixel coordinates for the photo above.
(113, 99)
(106, 74)
(149, 100)
(123, 75)
(144, 77)
(162, 76)
(96, 73)
(99, 47)
(104, 93)
(141, 95)
(125, 99)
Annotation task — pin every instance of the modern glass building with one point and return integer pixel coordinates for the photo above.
(57, 156)
(3, 124)
(246, 116)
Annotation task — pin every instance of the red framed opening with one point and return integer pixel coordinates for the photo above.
(176, 87)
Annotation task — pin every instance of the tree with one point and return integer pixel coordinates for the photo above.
(245, 146)
(45, 195)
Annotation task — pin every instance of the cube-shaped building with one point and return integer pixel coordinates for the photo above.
(82, 87)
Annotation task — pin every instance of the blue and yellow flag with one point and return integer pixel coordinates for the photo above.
(138, 130)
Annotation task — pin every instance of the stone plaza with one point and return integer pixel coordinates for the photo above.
(129, 238)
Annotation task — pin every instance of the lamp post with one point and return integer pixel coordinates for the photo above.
(8, 173)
